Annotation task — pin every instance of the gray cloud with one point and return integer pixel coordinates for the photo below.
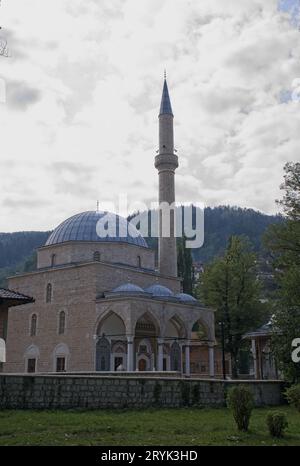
(20, 95)
(29, 203)
(73, 178)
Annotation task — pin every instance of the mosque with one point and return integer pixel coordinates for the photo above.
(103, 304)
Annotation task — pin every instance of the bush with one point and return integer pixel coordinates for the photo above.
(276, 423)
(293, 396)
(240, 400)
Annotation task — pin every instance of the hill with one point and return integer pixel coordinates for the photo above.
(17, 250)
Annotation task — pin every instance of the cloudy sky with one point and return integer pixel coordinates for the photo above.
(83, 87)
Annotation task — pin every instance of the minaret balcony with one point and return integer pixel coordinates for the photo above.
(166, 161)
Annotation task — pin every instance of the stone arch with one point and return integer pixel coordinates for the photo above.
(111, 325)
(175, 327)
(200, 330)
(148, 317)
(146, 331)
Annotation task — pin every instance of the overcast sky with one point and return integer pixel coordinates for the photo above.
(84, 83)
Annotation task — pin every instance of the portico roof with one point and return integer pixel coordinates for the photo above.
(13, 298)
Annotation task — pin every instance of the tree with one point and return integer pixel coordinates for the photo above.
(283, 241)
(230, 285)
(185, 265)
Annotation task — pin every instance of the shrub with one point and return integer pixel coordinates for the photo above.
(276, 423)
(240, 400)
(293, 396)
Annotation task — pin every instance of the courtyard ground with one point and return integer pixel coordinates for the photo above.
(189, 426)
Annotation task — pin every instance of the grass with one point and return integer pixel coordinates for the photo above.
(190, 426)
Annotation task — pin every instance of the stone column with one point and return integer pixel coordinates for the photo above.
(160, 359)
(211, 358)
(187, 359)
(129, 353)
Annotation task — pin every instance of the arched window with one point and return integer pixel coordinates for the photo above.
(103, 354)
(49, 293)
(33, 325)
(61, 356)
(31, 357)
(53, 260)
(97, 256)
(139, 261)
(62, 323)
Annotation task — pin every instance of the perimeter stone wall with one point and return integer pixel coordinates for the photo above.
(92, 392)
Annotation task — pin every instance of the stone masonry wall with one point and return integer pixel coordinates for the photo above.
(92, 392)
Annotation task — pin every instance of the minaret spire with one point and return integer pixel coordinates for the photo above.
(166, 163)
(165, 105)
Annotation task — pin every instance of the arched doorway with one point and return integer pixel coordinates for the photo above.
(146, 331)
(111, 345)
(142, 364)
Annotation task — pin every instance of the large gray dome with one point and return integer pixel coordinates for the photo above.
(83, 227)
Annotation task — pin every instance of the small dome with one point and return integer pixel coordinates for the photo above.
(159, 290)
(128, 288)
(187, 298)
(83, 227)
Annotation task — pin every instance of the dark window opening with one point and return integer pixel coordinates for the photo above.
(33, 325)
(49, 293)
(31, 365)
(60, 364)
(62, 323)
(118, 362)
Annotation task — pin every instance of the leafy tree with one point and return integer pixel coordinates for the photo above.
(284, 243)
(230, 285)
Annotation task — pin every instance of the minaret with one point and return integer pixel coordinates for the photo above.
(166, 163)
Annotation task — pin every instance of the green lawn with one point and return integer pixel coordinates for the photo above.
(188, 426)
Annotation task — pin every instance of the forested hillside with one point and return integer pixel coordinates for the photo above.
(17, 249)
(17, 252)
